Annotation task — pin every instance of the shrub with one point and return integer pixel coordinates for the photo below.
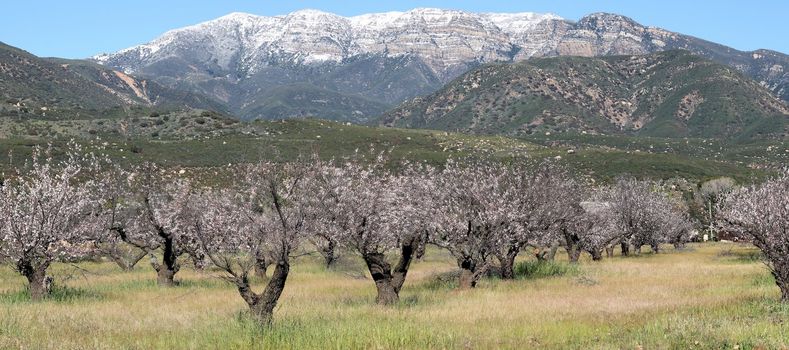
(533, 269)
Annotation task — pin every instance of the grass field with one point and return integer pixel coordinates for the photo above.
(711, 296)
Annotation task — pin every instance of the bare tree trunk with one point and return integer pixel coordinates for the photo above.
(197, 261)
(470, 273)
(572, 245)
(381, 272)
(261, 265)
(547, 254)
(609, 251)
(386, 293)
(39, 284)
(655, 248)
(782, 280)
(126, 263)
(573, 253)
(507, 266)
(329, 253)
(552, 252)
(262, 305)
(169, 267)
(597, 254)
(625, 248)
(408, 251)
(121, 262)
(145, 249)
(135, 259)
(165, 277)
(507, 263)
(388, 281)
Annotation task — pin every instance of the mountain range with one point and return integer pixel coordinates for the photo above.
(665, 94)
(512, 74)
(313, 63)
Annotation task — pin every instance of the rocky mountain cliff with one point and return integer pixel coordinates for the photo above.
(352, 68)
(243, 44)
(667, 94)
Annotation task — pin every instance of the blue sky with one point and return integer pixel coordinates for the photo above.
(77, 29)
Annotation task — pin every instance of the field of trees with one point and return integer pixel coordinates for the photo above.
(365, 251)
(709, 296)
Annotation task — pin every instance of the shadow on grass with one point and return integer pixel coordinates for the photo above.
(524, 270)
(59, 294)
(741, 255)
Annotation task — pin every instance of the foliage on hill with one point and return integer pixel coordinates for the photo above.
(50, 88)
(668, 94)
(207, 139)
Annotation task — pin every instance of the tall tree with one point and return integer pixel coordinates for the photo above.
(711, 193)
(146, 210)
(480, 216)
(47, 212)
(374, 212)
(643, 215)
(760, 214)
(269, 216)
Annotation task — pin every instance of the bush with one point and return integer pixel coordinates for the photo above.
(443, 281)
(534, 269)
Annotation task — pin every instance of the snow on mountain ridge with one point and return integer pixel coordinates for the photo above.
(311, 36)
(515, 23)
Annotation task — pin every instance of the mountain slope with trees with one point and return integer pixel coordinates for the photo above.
(668, 94)
(37, 87)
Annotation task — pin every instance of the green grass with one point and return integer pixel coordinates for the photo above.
(60, 294)
(696, 298)
(534, 269)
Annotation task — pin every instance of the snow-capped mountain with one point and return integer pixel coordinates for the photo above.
(358, 66)
(245, 42)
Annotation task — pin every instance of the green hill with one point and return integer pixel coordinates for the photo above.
(201, 140)
(668, 94)
(52, 88)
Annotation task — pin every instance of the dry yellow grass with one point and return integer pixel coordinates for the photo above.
(694, 299)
